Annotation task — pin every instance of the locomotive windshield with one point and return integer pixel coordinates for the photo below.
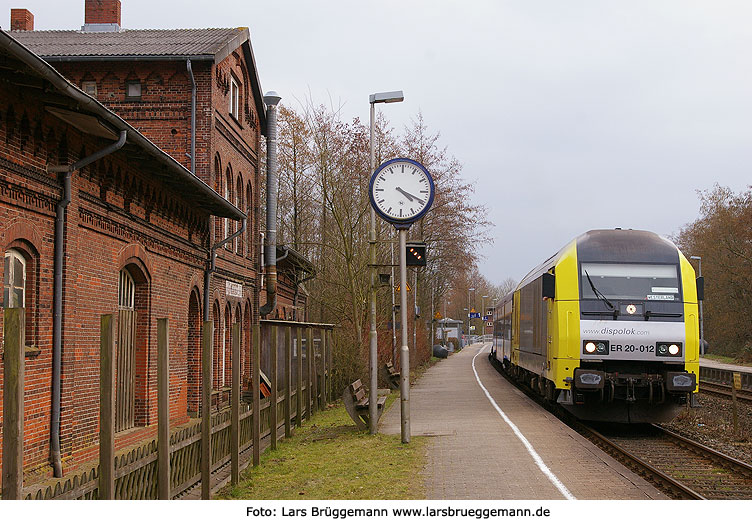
(621, 281)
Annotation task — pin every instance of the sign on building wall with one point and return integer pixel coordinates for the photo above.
(234, 290)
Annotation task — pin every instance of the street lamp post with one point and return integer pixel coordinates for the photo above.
(382, 97)
(467, 311)
(702, 333)
(470, 308)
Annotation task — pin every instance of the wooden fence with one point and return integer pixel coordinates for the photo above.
(300, 383)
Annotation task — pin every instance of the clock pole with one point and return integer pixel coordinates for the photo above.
(404, 350)
(374, 342)
(401, 191)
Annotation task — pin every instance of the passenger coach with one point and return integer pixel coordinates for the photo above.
(607, 328)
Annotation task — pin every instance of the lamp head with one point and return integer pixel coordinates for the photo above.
(386, 97)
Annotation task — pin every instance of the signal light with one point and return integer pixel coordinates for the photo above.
(416, 254)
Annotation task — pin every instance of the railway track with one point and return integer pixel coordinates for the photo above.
(723, 390)
(680, 467)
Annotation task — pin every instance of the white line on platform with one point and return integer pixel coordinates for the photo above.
(537, 458)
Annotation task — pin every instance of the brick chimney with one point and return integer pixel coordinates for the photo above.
(21, 20)
(101, 15)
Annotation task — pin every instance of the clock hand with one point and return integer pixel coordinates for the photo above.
(409, 196)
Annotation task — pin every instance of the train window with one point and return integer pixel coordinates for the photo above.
(650, 282)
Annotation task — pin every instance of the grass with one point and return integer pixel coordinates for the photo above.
(329, 459)
(725, 359)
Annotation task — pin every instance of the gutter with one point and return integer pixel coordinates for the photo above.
(57, 294)
(212, 265)
(89, 104)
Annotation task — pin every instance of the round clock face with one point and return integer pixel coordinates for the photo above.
(401, 190)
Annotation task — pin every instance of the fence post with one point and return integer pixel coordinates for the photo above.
(207, 343)
(309, 385)
(323, 396)
(330, 347)
(299, 392)
(106, 408)
(235, 419)
(288, 379)
(163, 407)
(273, 378)
(13, 402)
(315, 378)
(256, 390)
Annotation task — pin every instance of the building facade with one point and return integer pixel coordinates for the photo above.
(195, 93)
(95, 219)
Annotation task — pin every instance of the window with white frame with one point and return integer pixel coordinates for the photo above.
(14, 280)
(234, 98)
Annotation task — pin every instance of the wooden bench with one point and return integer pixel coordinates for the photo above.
(391, 375)
(357, 404)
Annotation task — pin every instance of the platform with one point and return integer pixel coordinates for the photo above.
(705, 362)
(474, 453)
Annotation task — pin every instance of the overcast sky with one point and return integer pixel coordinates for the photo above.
(567, 115)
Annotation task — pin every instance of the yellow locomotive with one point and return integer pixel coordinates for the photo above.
(607, 328)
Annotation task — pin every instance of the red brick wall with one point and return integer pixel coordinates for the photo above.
(120, 215)
(131, 230)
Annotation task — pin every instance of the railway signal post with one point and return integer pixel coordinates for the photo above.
(401, 192)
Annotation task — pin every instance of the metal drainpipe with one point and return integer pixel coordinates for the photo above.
(213, 265)
(272, 100)
(57, 294)
(193, 117)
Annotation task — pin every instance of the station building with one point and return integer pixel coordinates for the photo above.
(142, 222)
(83, 193)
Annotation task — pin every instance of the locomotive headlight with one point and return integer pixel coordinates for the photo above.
(595, 347)
(668, 349)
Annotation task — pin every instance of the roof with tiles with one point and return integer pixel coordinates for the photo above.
(195, 43)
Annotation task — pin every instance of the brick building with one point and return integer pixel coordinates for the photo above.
(196, 94)
(127, 229)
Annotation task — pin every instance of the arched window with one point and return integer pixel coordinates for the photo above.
(228, 197)
(239, 204)
(218, 188)
(131, 395)
(218, 347)
(226, 375)
(194, 353)
(248, 212)
(20, 285)
(14, 282)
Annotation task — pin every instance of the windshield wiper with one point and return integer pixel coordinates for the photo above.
(599, 295)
